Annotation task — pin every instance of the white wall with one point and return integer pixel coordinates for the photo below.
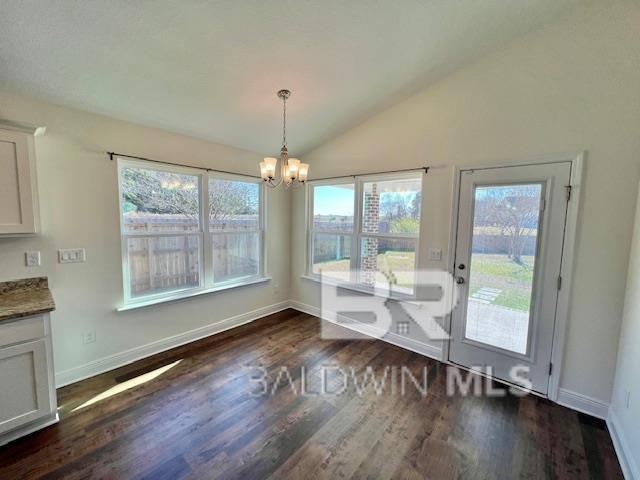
(626, 419)
(571, 86)
(79, 208)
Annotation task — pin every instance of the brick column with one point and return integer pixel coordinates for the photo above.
(370, 223)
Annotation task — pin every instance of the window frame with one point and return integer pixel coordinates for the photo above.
(206, 282)
(357, 235)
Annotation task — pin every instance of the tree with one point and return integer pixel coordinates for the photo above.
(515, 210)
(414, 205)
(159, 192)
(228, 199)
(392, 205)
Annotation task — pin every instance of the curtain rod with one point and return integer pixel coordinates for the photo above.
(425, 169)
(114, 154)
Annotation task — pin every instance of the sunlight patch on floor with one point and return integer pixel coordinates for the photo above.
(129, 384)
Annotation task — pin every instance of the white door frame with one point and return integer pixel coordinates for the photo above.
(568, 253)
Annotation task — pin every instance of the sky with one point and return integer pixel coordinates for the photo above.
(330, 200)
(334, 200)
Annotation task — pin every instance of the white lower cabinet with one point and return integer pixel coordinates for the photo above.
(27, 388)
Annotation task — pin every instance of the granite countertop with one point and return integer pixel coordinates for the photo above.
(22, 298)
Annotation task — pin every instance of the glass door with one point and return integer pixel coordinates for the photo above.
(508, 256)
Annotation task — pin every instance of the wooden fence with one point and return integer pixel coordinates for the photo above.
(235, 255)
(163, 263)
(159, 264)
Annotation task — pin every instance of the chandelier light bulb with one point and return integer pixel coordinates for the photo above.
(294, 165)
(303, 171)
(270, 167)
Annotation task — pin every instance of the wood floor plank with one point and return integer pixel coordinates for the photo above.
(196, 412)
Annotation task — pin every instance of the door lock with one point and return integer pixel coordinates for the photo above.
(460, 280)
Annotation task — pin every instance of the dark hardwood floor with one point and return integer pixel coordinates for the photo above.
(196, 412)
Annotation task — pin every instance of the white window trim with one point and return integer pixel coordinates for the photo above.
(357, 234)
(205, 260)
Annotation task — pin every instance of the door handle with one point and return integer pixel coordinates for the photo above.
(460, 280)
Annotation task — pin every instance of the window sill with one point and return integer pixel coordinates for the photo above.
(405, 298)
(190, 293)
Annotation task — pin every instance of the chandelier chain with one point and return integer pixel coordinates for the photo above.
(284, 121)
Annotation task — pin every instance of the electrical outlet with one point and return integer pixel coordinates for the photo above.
(33, 259)
(276, 287)
(89, 337)
(72, 255)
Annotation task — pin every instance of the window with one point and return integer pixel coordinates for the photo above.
(234, 226)
(164, 217)
(332, 230)
(366, 231)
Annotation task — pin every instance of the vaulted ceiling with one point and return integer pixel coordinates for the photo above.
(210, 69)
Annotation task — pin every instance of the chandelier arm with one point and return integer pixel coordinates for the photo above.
(273, 183)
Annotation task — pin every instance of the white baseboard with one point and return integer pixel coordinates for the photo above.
(583, 403)
(117, 360)
(630, 468)
(389, 337)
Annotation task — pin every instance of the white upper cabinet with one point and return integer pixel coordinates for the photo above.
(18, 190)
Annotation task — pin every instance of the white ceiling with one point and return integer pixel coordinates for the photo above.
(211, 68)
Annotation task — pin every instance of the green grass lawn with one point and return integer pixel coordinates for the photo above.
(401, 264)
(498, 271)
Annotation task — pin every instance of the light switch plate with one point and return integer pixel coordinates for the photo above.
(72, 255)
(89, 337)
(435, 254)
(33, 259)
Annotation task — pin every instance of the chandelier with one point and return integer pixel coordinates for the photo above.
(292, 172)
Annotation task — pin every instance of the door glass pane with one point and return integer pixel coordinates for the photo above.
(505, 232)
(332, 255)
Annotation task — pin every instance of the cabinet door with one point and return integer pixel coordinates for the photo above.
(17, 213)
(24, 384)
